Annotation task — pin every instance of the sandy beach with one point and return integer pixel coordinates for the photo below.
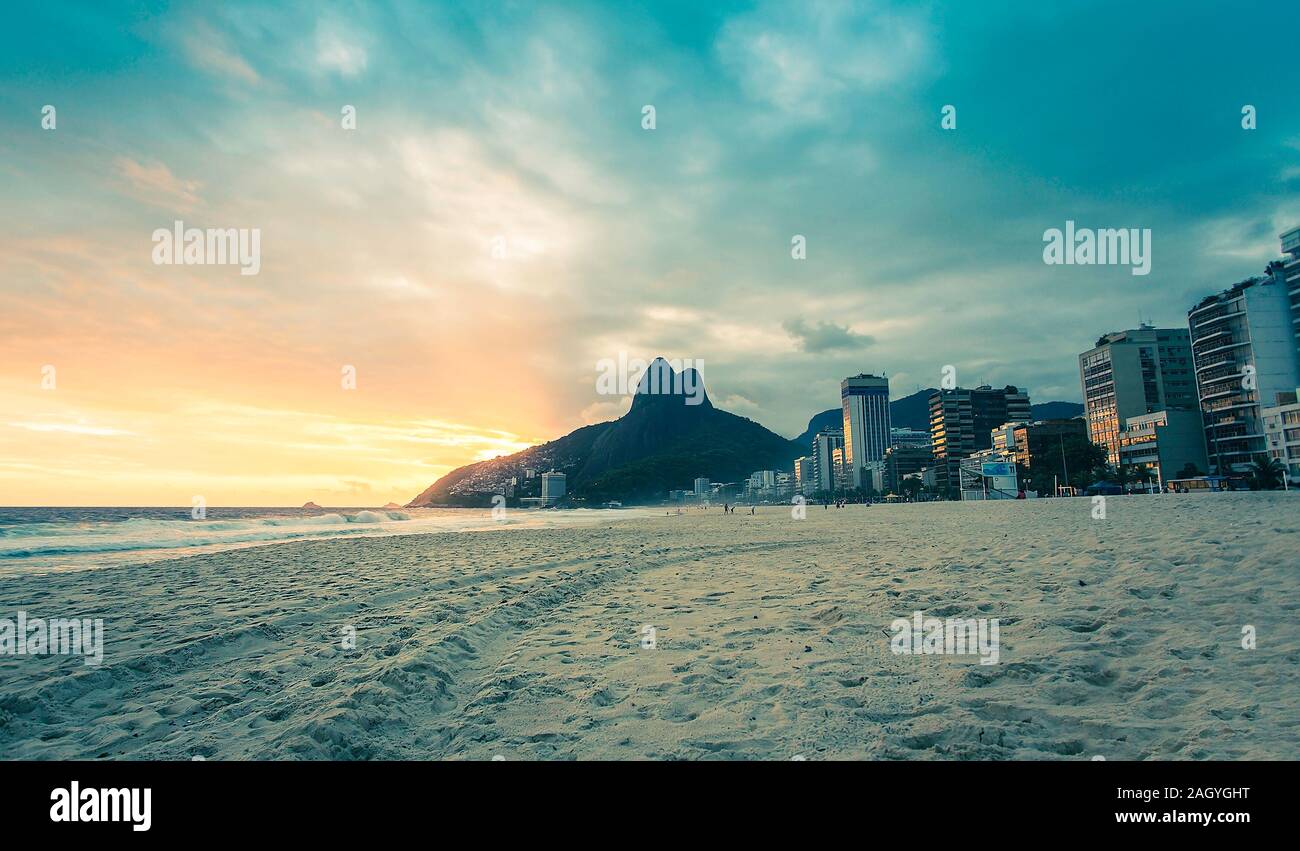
(1120, 638)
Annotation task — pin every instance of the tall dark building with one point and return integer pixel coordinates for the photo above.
(865, 402)
(901, 460)
(960, 423)
(1040, 446)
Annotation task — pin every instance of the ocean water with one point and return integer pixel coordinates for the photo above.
(56, 539)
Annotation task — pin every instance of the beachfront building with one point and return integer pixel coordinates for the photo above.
(1038, 445)
(865, 401)
(1291, 276)
(930, 478)
(825, 444)
(1244, 346)
(838, 463)
(871, 478)
(784, 486)
(1282, 434)
(766, 485)
(553, 487)
(1003, 439)
(803, 476)
(903, 460)
(961, 421)
(1131, 373)
(703, 488)
(988, 474)
(1163, 443)
(909, 437)
(729, 492)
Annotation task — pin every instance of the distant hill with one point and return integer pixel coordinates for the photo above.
(914, 412)
(834, 418)
(1057, 410)
(662, 443)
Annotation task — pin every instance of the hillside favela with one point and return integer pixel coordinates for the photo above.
(914, 385)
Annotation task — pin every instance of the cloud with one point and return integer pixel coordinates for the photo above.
(333, 53)
(207, 50)
(799, 56)
(824, 336)
(155, 184)
(614, 238)
(356, 488)
(738, 404)
(73, 428)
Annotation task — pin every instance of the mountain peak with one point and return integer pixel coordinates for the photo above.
(661, 384)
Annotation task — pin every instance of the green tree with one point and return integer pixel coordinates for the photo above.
(1086, 460)
(1143, 476)
(1083, 460)
(1266, 473)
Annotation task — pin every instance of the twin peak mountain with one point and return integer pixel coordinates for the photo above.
(671, 435)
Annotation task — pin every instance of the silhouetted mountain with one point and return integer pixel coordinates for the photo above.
(671, 434)
(1056, 410)
(914, 412)
(834, 418)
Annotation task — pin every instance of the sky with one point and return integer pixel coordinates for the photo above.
(500, 219)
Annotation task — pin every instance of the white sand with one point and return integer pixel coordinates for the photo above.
(525, 643)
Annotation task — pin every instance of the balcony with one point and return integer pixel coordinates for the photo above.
(1215, 360)
(1219, 394)
(1223, 347)
(1218, 317)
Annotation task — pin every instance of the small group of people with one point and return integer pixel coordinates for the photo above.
(728, 508)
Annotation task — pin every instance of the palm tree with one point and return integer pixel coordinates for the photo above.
(1142, 475)
(1266, 473)
(1123, 474)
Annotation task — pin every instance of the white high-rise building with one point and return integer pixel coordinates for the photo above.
(1282, 434)
(703, 487)
(1243, 340)
(803, 476)
(825, 445)
(865, 401)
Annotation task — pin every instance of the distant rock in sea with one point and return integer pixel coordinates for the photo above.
(391, 506)
(310, 504)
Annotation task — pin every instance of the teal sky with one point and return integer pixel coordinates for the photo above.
(522, 121)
